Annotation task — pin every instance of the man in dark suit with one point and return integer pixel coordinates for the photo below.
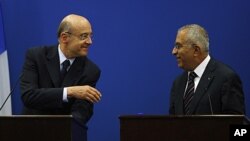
(206, 86)
(44, 91)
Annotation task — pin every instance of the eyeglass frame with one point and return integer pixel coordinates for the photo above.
(178, 45)
(83, 36)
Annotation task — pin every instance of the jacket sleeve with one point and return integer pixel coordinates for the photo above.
(32, 94)
(233, 96)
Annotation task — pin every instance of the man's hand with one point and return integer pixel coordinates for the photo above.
(84, 92)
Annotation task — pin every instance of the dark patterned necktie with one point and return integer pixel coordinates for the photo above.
(189, 93)
(65, 66)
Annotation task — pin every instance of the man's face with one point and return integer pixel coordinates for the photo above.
(183, 51)
(80, 40)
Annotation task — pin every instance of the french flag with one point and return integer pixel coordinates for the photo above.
(4, 73)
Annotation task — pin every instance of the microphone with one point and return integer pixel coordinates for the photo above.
(210, 104)
(12, 90)
(209, 97)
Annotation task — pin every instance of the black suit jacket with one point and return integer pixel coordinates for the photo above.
(219, 85)
(42, 89)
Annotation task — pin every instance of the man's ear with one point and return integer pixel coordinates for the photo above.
(197, 50)
(64, 37)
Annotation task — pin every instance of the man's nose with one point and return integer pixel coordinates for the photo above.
(174, 51)
(89, 40)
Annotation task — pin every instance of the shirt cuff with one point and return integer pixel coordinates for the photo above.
(65, 99)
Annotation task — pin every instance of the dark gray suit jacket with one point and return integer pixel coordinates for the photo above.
(41, 88)
(219, 85)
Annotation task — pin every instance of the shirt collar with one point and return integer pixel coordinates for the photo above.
(62, 57)
(199, 70)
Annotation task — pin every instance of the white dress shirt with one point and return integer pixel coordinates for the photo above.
(199, 70)
(62, 58)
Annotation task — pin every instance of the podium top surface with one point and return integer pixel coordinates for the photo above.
(182, 117)
(38, 116)
(178, 127)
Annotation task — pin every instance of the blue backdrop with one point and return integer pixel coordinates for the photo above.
(132, 44)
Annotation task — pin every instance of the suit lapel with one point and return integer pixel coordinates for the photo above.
(203, 85)
(181, 90)
(53, 65)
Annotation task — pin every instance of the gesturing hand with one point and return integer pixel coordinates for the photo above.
(84, 92)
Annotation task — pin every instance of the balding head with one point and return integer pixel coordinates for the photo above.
(70, 23)
(74, 36)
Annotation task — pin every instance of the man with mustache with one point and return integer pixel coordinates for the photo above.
(206, 86)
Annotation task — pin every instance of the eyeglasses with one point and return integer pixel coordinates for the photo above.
(178, 45)
(83, 36)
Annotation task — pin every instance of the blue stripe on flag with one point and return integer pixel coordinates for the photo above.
(2, 41)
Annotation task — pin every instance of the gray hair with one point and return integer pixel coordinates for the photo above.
(197, 34)
(64, 26)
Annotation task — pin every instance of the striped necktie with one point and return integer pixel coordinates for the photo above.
(189, 93)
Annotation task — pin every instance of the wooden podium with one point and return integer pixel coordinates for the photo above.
(41, 128)
(177, 128)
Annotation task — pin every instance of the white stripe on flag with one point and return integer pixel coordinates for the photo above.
(4, 72)
(4, 84)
